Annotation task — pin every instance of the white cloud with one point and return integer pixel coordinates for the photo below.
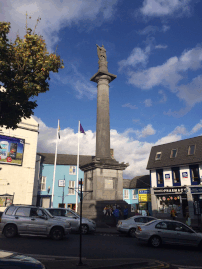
(55, 15)
(164, 97)
(78, 82)
(179, 130)
(150, 29)
(126, 149)
(196, 128)
(130, 106)
(146, 131)
(165, 28)
(161, 46)
(148, 102)
(137, 56)
(136, 120)
(159, 8)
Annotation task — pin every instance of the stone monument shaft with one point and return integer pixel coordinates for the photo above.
(102, 78)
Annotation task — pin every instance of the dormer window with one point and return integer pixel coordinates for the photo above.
(158, 156)
(173, 153)
(191, 150)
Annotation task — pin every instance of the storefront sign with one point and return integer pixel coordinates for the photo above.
(185, 175)
(144, 195)
(162, 191)
(167, 176)
(11, 150)
(196, 190)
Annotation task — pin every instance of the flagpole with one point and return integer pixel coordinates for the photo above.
(77, 175)
(55, 165)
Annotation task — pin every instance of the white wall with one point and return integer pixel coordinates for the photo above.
(185, 181)
(21, 178)
(167, 182)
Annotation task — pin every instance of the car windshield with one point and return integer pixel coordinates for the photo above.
(48, 213)
(151, 222)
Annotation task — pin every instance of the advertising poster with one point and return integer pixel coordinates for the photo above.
(11, 150)
(72, 170)
(144, 195)
(185, 175)
(167, 176)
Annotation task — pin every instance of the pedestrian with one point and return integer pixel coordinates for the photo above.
(114, 207)
(188, 220)
(173, 213)
(125, 213)
(116, 215)
(104, 210)
(108, 211)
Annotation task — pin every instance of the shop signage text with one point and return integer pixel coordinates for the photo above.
(144, 195)
(61, 183)
(171, 190)
(196, 190)
(167, 176)
(185, 175)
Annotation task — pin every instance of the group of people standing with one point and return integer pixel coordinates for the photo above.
(116, 211)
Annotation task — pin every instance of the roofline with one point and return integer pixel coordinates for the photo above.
(176, 165)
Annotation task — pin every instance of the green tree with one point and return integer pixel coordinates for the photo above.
(25, 66)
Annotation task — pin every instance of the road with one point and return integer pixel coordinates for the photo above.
(99, 246)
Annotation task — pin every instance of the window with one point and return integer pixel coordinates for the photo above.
(194, 171)
(173, 153)
(159, 174)
(158, 156)
(162, 225)
(181, 228)
(69, 214)
(176, 176)
(191, 150)
(134, 195)
(43, 184)
(126, 194)
(141, 220)
(72, 185)
(35, 212)
(10, 210)
(72, 170)
(23, 212)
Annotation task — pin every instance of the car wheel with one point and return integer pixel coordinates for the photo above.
(155, 241)
(57, 233)
(132, 232)
(10, 231)
(84, 228)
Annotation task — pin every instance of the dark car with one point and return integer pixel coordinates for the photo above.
(15, 260)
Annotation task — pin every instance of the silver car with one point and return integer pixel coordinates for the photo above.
(129, 225)
(160, 232)
(88, 225)
(22, 219)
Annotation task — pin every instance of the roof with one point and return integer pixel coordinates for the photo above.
(138, 182)
(182, 157)
(64, 159)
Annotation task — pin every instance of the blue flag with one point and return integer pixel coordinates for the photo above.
(81, 129)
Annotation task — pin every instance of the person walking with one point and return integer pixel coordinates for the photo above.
(173, 213)
(116, 215)
(125, 213)
(104, 210)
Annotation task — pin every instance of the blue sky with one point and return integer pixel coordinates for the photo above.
(154, 48)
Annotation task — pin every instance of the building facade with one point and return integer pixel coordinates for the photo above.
(65, 178)
(176, 173)
(18, 147)
(136, 192)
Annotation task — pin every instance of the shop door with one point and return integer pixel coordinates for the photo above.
(185, 209)
(46, 202)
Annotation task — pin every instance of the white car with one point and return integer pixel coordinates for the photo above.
(129, 225)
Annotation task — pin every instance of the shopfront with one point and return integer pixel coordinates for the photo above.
(144, 198)
(166, 198)
(197, 201)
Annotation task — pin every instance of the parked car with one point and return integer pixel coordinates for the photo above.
(10, 259)
(129, 225)
(160, 232)
(24, 219)
(88, 225)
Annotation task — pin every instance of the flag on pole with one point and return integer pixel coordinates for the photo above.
(81, 129)
(59, 130)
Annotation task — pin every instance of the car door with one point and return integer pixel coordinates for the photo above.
(165, 230)
(72, 218)
(185, 235)
(21, 219)
(37, 221)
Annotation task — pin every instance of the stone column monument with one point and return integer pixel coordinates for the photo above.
(104, 175)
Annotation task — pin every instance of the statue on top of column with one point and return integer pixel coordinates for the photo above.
(101, 52)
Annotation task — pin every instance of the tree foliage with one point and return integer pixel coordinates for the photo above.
(25, 66)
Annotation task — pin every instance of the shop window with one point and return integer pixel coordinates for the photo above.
(176, 176)
(158, 156)
(126, 194)
(194, 171)
(159, 175)
(173, 153)
(191, 150)
(43, 183)
(134, 195)
(71, 186)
